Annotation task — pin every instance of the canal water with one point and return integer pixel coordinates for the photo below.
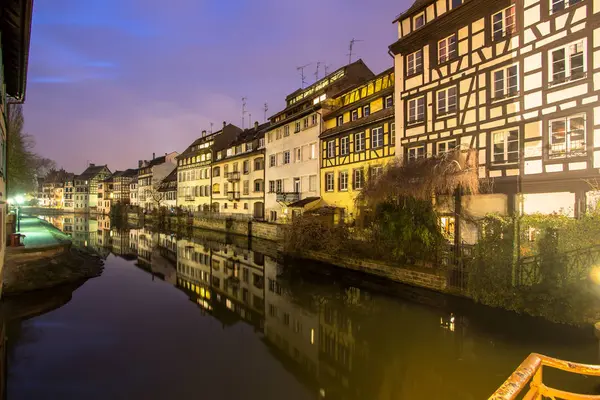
(203, 315)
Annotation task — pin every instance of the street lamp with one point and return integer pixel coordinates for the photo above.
(19, 200)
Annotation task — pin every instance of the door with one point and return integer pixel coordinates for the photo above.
(259, 210)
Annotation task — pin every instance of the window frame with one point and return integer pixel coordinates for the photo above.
(416, 156)
(366, 110)
(447, 111)
(567, 61)
(360, 138)
(447, 149)
(344, 145)
(416, 18)
(375, 145)
(343, 181)
(354, 115)
(450, 55)
(385, 101)
(506, 94)
(330, 149)
(329, 179)
(340, 120)
(417, 120)
(505, 133)
(568, 140)
(416, 67)
(287, 158)
(358, 172)
(566, 4)
(272, 160)
(507, 30)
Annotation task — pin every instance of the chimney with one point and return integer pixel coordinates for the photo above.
(255, 124)
(140, 163)
(92, 165)
(224, 124)
(153, 156)
(203, 133)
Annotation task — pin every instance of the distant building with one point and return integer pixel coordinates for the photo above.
(150, 174)
(105, 195)
(168, 191)
(292, 148)
(86, 187)
(52, 192)
(133, 192)
(68, 192)
(194, 177)
(238, 181)
(122, 185)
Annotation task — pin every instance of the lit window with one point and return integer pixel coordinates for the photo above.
(506, 147)
(344, 145)
(559, 5)
(446, 101)
(313, 151)
(419, 20)
(567, 137)
(376, 137)
(329, 182)
(414, 63)
(415, 153)
(503, 23)
(506, 82)
(359, 141)
(568, 62)
(447, 49)
(416, 110)
(358, 179)
(343, 181)
(445, 147)
(331, 149)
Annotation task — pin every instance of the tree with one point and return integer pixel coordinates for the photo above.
(24, 166)
(155, 194)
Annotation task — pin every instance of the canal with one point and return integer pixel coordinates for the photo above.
(203, 315)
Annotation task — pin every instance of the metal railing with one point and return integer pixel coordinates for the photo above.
(530, 372)
(575, 148)
(233, 176)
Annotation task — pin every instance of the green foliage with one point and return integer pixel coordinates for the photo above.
(308, 233)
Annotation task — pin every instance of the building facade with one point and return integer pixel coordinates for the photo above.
(238, 178)
(133, 192)
(69, 192)
(292, 143)
(518, 82)
(122, 185)
(357, 142)
(86, 187)
(150, 175)
(105, 195)
(168, 191)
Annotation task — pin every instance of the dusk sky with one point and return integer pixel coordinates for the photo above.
(112, 81)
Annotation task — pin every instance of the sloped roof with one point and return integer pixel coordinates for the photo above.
(15, 25)
(92, 171)
(417, 6)
(375, 117)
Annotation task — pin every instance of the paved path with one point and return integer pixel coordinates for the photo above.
(40, 233)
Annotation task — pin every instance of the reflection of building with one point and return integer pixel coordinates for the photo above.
(238, 183)
(85, 231)
(357, 142)
(146, 242)
(150, 174)
(104, 231)
(120, 240)
(292, 148)
(134, 240)
(164, 258)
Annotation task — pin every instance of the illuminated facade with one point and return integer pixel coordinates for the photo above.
(238, 174)
(68, 193)
(122, 185)
(168, 190)
(357, 142)
(150, 175)
(86, 187)
(292, 143)
(133, 192)
(105, 195)
(517, 81)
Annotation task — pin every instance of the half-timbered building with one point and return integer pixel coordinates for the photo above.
(357, 141)
(517, 80)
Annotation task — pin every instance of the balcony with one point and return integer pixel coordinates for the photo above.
(233, 196)
(189, 198)
(233, 176)
(288, 197)
(574, 148)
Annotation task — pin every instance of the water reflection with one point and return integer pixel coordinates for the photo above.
(337, 338)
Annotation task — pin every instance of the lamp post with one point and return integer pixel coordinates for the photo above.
(19, 200)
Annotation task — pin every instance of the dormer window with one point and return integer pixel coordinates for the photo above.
(419, 20)
(340, 120)
(457, 3)
(366, 110)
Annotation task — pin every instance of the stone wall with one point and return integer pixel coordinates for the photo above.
(414, 276)
(269, 231)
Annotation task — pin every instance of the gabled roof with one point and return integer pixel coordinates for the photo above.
(169, 184)
(417, 6)
(92, 171)
(248, 135)
(371, 119)
(129, 173)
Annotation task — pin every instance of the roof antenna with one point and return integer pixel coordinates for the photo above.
(301, 69)
(249, 120)
(211, 125)
(319, 63)
(266, 108)
(352, 48)
(243, 109)
(326, 68)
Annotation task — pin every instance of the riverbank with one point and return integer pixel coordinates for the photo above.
(47, 259)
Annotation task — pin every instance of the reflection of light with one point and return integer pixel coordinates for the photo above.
(85, 243)
(322, 392)
(202, 291)
(228, 304)
(595, 274)
(312, 336)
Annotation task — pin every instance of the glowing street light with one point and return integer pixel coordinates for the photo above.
(19, 200)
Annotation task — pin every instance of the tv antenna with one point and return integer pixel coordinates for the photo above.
(243, 110)
(211, 125)
(351, 48)
(326, 69)
(266, 108)
(301, 69)
(319, 63)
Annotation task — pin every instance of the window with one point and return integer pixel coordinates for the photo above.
(345, 145)
(416, 153)
(258, 185)
(567, 136)
(313, 151)
(331, 149)
(273, 216)
(559, 5)
(359, 141)
(314, 119)
(278, 134)
(503, 23)
(246, 190)
(388, 101)
(279, 184)
(445, 147)
(286, 157)
(358, 179)
(340, 120)
(419, 20)
(297, 188)
(258, 164)
(305, 122)
(297, 127)
(366, 110)
(225, 188)
(272, 160)
(354, 115)
(271, 186)
(447, 49)
(215, 188)
(246, 167)
(393, 133)
(446, 101)
(506, 147)
(343, 181)
(414, 63)
(216, 171)
(312, 183)
(506, 82)
(568, 62)
(416, 110)
(375, 172)
(261, 142)
(298, 154)
(456, 3)
(286, 130)
(329, 182)
(376, 137)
